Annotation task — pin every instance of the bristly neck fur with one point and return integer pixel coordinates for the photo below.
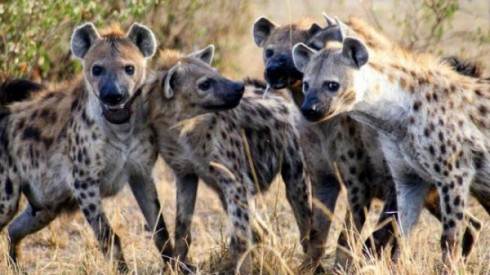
(381, 104)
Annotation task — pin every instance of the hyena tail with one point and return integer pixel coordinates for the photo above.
(16, 90)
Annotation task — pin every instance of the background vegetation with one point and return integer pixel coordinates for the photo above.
(35, 34)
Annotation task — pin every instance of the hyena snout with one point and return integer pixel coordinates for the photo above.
(111, 94)
(280, 70)
(313, 109)
(116, 107)
(233, 94)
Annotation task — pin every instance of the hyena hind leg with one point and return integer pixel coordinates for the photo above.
(25, 224)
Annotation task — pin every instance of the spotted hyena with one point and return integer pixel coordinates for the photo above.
(237, 146)
(432, 124)
(66, 149)
(277, 43)
(342, 141)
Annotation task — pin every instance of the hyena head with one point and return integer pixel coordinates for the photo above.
(114, 65)
(330, 77)
(277, 42)
(191, 86)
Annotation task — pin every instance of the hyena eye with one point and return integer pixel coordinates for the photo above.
(269, 53)
(306, 86)
(129, 69)
(97, 70)
(205, 85)
(332, 86)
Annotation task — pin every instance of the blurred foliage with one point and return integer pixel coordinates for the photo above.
(35, 34)
(428, 24)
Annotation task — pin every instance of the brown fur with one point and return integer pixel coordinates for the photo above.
(237, 152)
(433, 121)
(63, 155)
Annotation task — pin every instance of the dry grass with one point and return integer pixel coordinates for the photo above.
(69, 247)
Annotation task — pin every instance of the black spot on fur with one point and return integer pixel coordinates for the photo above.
(31, 133)
(9, 187)
(459, 216)
(416, 105)
(437, 168)
(92, 207)
(457, 201)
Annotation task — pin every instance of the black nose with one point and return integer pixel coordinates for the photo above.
(239, 88)
(112, 98)
(312, 110)
(274, 71)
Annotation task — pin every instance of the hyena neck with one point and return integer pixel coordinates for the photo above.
(382, 102)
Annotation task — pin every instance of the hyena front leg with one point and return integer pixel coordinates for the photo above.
(186, 202)
(389, 217)
(25, 224)
(298, 194)
(471, 233)
(453, 195)
(325, 191)
(235, 197)
(87, 191)
(359, 197)
(145, 192)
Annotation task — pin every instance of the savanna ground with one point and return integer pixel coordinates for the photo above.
(68, 246)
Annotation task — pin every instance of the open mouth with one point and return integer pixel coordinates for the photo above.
(121, 113)
(117, 114)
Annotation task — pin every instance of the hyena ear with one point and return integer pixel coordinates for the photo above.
(314, 29)
(143, 38)
(168, 90)
(83, 38)
(354, 50)
(329, 20)
(206, 54)
(262, 29)
(301, 56)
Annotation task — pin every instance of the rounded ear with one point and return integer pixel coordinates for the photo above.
(206, 54)
(301, 56)
(82, 39)
(168, 90)
(356, 51)
(262, 29)
(314, 29)
(329, 20)
(143, 38)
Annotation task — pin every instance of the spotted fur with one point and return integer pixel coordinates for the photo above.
(62, 154)
(342, 144)
(432, 124)
(237, 151)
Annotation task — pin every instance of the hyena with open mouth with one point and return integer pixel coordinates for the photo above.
(67, 149)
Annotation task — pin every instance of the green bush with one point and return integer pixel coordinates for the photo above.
(35, 34)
